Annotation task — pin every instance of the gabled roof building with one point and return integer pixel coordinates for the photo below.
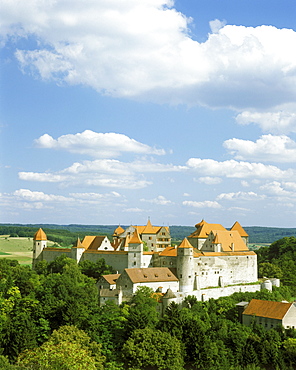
(211, 262)
(270, 314)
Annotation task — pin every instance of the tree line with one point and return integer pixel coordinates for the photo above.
(50, 319)
(64, 234)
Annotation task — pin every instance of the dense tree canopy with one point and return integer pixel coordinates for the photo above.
(51, 316)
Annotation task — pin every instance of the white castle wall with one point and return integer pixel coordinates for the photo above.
(212, 269)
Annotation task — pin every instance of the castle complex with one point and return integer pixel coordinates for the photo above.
(211, 262)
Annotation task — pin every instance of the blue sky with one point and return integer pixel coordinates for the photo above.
(113, 112)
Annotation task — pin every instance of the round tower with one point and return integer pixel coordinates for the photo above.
(185, 266)
(39, 243)
(135, 251)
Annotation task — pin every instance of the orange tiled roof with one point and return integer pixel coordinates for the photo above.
(111, 278)
(78, 244)
(238, 253)
(185, 244)
(135, 239)
(203, 229)
(40, 235)
(230, 241)
(272, 310)
(152, 274)
(237, 226)
(119, 230)
(169, 252)
(92, 242)
(149, 228)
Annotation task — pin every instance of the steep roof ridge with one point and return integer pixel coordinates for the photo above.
(185, 244)
(119, 230)
(40, 235)
(237, 226)
(135, 239)
(269, 309)
(149, 229)
(78, 244)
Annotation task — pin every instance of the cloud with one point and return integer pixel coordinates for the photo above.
(278, 189)
(114, 166)
(96, 144)
(95, 196)
(216, 25)
(240, 195)
(209, 180)
(143, 50)
(41, 177)
(235, 169)
(160, 200)
(133, 210)
(268, 148)
(104, 172)
(280, 119)
(204, 204)
(39, 196)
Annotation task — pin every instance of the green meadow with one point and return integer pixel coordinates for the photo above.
(17, 248)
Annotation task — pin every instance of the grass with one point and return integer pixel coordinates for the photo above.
(20, 249)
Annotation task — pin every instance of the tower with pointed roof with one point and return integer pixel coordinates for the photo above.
(39, 243)
(185, 266)
(77, 250)
(135, 251)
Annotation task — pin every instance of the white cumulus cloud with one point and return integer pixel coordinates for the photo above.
(204, 204)
(240, 195)
(160, 200)
(210, 180)
(101, 145)
(143, 50)
(268, 148)
(235, 169)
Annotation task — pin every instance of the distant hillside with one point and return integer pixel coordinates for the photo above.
(69, 233)
(259, 234)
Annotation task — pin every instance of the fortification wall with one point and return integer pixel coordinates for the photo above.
(211, 270)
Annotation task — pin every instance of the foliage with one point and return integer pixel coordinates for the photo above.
(148, 348)
(95, 269)
(142, 312)
(279, 259)
(68, 348)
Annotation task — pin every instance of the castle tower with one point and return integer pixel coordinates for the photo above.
(185, 266)
(39, 243)
(135, 251)
(117, 232)
(77, 250)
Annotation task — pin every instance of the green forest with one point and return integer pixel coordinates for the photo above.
(50, 319)
(66, 235)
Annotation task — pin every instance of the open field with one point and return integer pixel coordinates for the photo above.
(17, 248)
